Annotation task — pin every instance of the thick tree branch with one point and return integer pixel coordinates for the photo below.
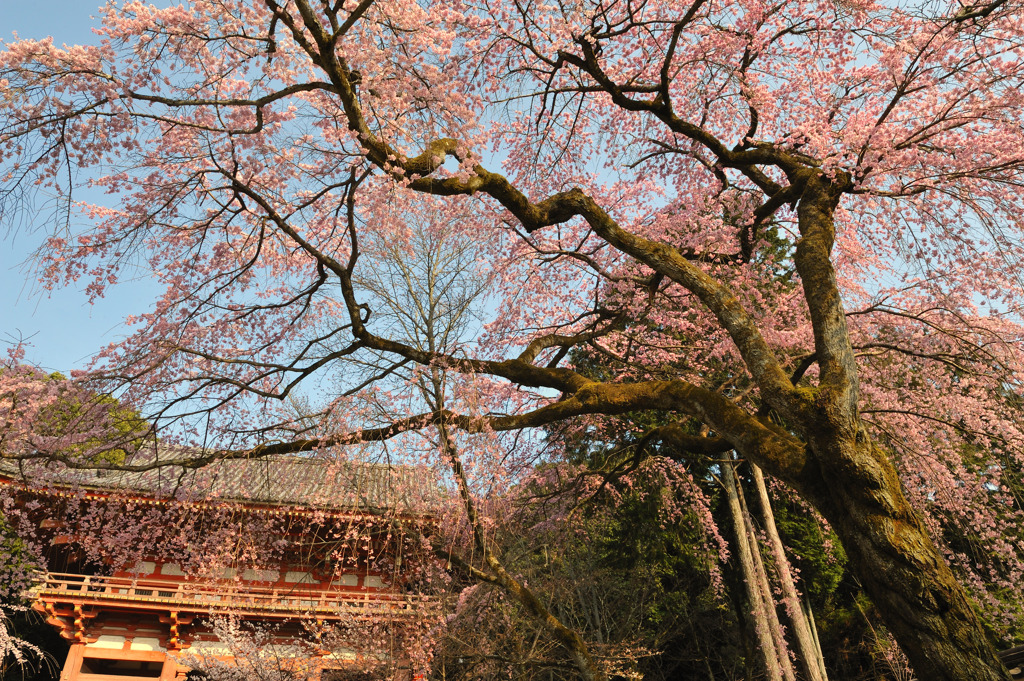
(838, 386)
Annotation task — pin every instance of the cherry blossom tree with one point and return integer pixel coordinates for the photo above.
(15, 653)
(255, 654)
(792, 228)
(47, 415)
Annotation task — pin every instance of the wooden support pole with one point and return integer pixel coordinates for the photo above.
(761, 574)
(762, 629)
(169, 671)
(73, 662)
(809, 654)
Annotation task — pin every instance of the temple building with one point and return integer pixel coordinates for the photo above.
(310, 566)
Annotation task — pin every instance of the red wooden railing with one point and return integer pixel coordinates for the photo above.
(227, 597)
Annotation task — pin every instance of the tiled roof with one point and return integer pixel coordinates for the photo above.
(309, 482)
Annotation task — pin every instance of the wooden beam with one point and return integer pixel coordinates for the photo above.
(120, 654)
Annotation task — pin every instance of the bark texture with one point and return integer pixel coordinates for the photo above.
(902, 570)
(857, 488)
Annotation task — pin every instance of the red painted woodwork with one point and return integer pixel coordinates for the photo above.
(134, 624)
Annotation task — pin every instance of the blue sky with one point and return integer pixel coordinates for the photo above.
(62, 329)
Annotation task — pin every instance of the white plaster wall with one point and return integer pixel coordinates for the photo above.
(260, 575)
(347, 580)
(146, 643)
(107, 641)
(294, 576)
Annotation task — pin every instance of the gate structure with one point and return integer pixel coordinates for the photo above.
(340, 551)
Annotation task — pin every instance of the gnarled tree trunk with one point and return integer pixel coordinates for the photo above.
(855, 485)
(902, 570)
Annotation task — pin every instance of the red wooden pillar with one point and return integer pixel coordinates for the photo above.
(73, 662)
(169, 672)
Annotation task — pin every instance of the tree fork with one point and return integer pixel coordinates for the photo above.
(860, 492)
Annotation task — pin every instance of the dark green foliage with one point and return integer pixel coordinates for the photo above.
(699, 625)
(124, 428)
(17, 568)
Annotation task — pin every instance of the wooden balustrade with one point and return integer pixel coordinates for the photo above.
(225, 596)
